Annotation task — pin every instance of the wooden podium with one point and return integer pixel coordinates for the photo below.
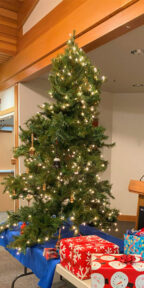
(138, 187)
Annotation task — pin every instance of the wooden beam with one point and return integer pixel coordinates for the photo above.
(25, 9)
(7, 111)
(104, 26)
(55, 16)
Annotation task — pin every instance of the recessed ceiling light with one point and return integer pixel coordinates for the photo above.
(138, 51)
(138, 85)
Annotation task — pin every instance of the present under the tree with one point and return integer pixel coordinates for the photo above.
(134, 244)
(50, 253)
(117, 271)
(75, 253)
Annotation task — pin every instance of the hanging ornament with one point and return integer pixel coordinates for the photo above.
(95, 123)
(58, 242)
(22, 227)
(65, 202)
(13, 161)
(32, 149)
(14, 194)
(29, 198)
(57, 162)
(72, 198)
(44, 187)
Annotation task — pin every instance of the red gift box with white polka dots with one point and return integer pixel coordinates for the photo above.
(109, 271)
(75, 253)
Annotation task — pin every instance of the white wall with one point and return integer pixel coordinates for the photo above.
(127, 161)
(7, 98)
(105, 119)
(41, 10)
(31, 95)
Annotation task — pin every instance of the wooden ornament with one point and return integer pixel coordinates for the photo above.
(72, 198)
(29, 198)
(44, 187)
(32, 149)
(13, 161)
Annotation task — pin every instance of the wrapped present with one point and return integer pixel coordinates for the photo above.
(133, 244)
(50, 253)
(117, 271)
(75, 253)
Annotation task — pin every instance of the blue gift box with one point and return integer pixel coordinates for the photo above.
(134, 244)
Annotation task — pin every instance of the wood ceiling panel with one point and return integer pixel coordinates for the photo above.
(9, 39)
(8, 28)
(8, 13)
(8, 22)
(13, 14)
(11, 5)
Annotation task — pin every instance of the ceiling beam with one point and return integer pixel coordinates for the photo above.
(109, 22)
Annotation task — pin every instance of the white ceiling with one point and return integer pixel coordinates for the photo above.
(116, 62)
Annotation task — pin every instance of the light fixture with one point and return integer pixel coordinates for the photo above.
(138, 51)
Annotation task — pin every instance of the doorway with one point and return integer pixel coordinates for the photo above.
(6, 149)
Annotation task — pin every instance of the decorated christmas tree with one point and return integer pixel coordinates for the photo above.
(62, 149)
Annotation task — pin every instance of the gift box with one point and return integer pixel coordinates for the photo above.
(75, 253)
(113, 271)
(50, 253)
(133, 244)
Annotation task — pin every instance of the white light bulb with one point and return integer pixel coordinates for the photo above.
(103, 78)
(42, 106)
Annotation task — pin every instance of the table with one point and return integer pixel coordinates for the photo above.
(34, 260)
(72, 278)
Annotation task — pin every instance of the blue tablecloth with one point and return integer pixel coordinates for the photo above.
(34, 260)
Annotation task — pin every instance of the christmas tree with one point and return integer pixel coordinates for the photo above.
(62, 149)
